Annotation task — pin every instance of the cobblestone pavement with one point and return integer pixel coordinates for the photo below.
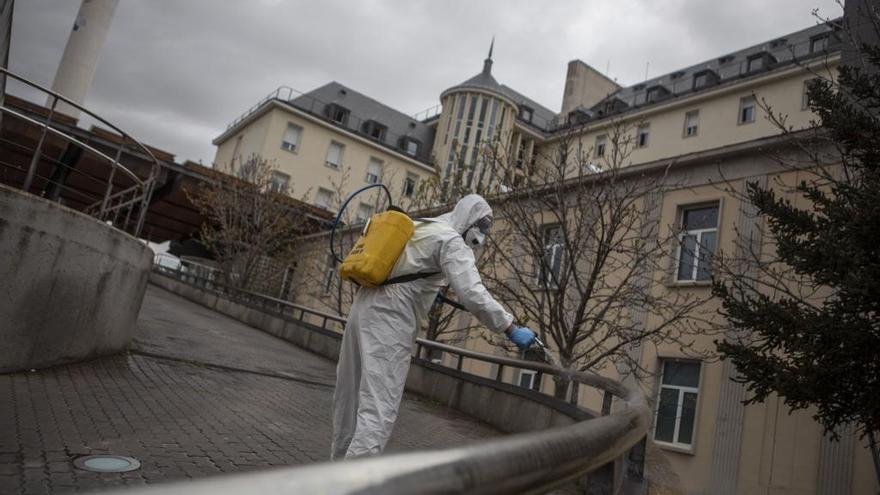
(181, 414)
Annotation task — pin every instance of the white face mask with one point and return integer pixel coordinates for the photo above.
(474, 238)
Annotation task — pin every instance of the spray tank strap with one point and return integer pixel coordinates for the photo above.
(409, 277)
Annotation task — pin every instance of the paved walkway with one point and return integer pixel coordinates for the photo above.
(199, 395)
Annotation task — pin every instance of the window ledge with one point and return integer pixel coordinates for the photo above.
(685, 284)
(295, 151)
(675, 448)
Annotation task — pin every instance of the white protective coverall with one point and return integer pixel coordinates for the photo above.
(384, 321)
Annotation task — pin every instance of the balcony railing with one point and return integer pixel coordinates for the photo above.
(113, 192)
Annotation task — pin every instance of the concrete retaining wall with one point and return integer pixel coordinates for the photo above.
(71, 287)
(504, 406)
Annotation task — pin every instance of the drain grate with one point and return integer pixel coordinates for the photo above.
(107, 463)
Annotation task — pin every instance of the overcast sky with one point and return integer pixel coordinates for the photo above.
(174, 73)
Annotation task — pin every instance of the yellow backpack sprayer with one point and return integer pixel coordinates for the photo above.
(382, 240)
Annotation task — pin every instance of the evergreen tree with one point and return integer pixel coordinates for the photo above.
(806, 323)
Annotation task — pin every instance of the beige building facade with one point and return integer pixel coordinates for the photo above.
(711, 126)
(324, 151)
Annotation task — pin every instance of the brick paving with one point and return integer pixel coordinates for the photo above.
(171, 405)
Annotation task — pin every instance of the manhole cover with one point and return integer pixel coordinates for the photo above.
(107, 463)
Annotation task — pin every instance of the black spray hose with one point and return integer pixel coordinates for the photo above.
(342, 209)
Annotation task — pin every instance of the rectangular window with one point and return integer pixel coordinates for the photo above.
(324, 198)
(292, 136)
(551, 265)
(819, 44)
(747, 110)
(409, 184)
(329, 274)
(364, 212)
(805, 97)
(412, 148)
(677, 403)
(337, 113)
(600, 145)
(644, 132)
(374, 129)
(696, 242)
(374, 171)
(691, 123)
(279, 182)
(526, 113)
(528, 379)
(334, 155)
(755, 63)
(701, 80)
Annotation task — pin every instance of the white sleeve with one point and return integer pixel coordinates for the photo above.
(459, 266)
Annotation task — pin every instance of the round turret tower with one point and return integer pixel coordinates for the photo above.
(476, 114)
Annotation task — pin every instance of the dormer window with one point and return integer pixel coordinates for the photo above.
(819, 43)
(778, 43)
(374, 129)
(410, 145)
(759, 61)
(725, 59)
(755, 63)
(656, 93)
(337, 113)
(525, 113)
(704, 79)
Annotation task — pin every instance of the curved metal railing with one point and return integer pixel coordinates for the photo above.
(533, 462)
(117, 195)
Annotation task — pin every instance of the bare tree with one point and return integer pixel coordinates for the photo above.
(251, 222)
(580, 257)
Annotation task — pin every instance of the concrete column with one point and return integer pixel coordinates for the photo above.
(77, 67)
(836, 463)
(729, 417)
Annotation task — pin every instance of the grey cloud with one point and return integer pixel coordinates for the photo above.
(175, 73)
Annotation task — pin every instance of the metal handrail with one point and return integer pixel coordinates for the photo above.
(534, 462)
(107, 207)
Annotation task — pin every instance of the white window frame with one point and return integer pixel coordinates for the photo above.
(329, 198)
(601, 144)
(643, 130)
(330, 164)
(805, 99)
(412, 148)
(285, 180)
(743, 103)
(410, 178)
(698, 246)
(689, 447)
(532, 377)
(696, 127)
(288, 146)
(371, 178)
(329, 275)
(357, 216)
(545, 279)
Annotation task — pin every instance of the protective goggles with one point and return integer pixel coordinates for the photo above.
(484, 225)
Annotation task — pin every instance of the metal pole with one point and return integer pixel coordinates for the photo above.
(110, 181)
(39, 151)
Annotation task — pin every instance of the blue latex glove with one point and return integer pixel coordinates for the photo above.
(522, 337)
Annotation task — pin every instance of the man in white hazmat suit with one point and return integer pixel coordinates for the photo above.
(384, 321)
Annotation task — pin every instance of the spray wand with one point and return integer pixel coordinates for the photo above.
(547, 355)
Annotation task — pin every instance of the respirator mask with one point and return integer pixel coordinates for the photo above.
(475, 236)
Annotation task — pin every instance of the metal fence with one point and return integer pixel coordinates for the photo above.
(534, 462)
(105, 188)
